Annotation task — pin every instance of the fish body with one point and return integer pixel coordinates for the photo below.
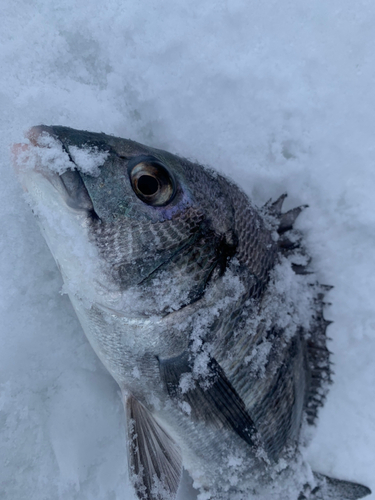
(202, 307)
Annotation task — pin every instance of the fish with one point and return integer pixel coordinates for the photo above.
(202, 306)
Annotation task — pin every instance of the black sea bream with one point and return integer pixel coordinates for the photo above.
(202, 307)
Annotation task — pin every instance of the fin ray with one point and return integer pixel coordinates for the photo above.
(154, 457)
(287, 219)
(217, 403)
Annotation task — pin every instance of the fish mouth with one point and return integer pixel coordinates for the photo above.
(76, 195)
(68, 183)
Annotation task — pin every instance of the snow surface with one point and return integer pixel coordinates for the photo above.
(279, 95)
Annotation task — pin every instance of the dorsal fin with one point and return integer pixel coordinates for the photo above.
(274, 208)
(287, 219)
(318, 360)
(318, 363)
(154, 457)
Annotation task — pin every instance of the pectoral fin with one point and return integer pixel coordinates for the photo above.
(154, 457)
(329, 488)
(216, 404)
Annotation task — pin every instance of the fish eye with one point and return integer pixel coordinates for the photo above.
(151, 182)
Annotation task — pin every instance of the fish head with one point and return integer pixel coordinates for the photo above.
(139, 230)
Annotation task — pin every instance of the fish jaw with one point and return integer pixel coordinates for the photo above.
(63, 213)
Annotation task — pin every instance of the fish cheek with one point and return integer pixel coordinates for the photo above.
(183, 279)
(136, 249)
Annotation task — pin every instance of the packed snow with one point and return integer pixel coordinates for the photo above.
(280, 97)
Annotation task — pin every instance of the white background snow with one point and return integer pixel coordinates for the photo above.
(280, 95)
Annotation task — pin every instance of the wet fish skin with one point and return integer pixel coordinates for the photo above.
(191, 300)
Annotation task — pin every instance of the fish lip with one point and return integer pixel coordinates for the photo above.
(36, 131)
(77, 196)
(69, 184)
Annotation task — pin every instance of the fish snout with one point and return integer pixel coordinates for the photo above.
(34, 134)
(46, 155)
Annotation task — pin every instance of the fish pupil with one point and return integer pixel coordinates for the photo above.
(147, 185)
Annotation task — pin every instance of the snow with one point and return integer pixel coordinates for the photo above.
(88, 160)
(280, 97)
(49, 156)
